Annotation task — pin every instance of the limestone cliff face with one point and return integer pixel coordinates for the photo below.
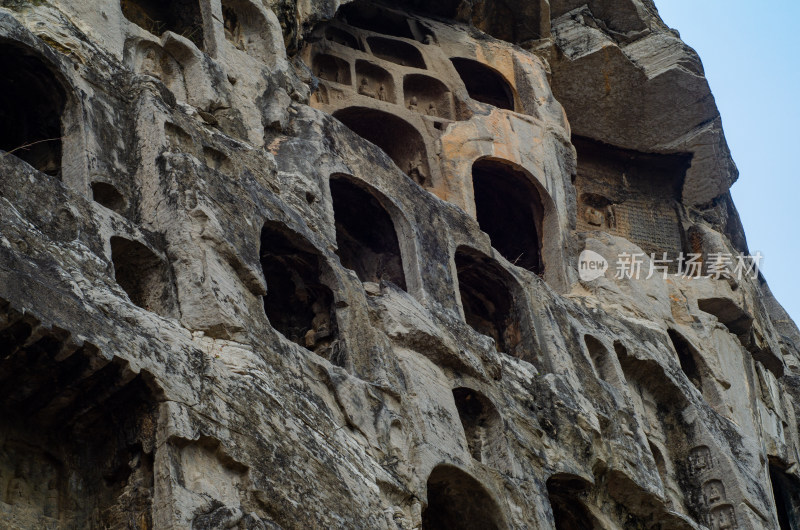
(315, 264)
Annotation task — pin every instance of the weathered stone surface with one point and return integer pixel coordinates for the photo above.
(316, 265)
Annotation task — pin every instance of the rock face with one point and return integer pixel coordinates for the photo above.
(316, 264)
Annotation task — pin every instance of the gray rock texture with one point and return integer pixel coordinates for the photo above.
(316, 264)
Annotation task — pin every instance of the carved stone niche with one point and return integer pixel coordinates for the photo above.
(723, 518)
(76, 433)
(147, 58)
(375, 82)
(713, 492)
(246, 28)
(331, 68)
(700, 461)
(428, 96)
(182, 17)
(396, 51)
(343, 38)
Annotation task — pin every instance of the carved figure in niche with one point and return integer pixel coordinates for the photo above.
(611, 216)
(17, 491)
(432, 110)
(382, 93)
(51, 499)
(714, 492)
(593, 216)
(150, 64)
(365, 89)
(415, 170)
(700, 460)
(321, 95)
(320, 326)
(723, 518)
(413, 104)
(397, 518)
(233, 30)
(475, 442)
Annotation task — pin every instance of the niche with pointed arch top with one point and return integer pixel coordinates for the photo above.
(509, 208)
(298, 303)
(365, 233)
(31, 109)
(398, 138)
(485, 84)
(457, 501)
(565, 492)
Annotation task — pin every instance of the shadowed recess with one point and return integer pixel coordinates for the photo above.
(365, 234)
(510, 210)
(456, 501)
(484, 84)
(30, 110)
(399, 139)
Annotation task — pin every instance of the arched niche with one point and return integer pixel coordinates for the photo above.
(488, 299)
(396, 51)
(298, 304)
(602, 360)
(485, 84)
(482, 424)
(148, 58)
(342, 37)
(365, 233)
(398, 138)
(374, 82)
(109, 197)
(182, 17)
(458, 501)
(32, 109)
(569, 511)
(246, 28)
(786, 495)
(509, 208)
(331, 68)
(429, 96)
(370, 17)
(145, 278)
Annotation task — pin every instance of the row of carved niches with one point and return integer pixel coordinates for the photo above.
(421, 93)
(632, 195)
(705, 474)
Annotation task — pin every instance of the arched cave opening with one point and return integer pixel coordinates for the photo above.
(365, 234)
(481, 422)
(484, 84)
(398, 138)
(569, 512)
(143, 276)
(298, 304)
(688, 357)
(601, 359)
(182, 17)
(342, 37)
(375, 82)
(487, 300)
(456, 501)
(31, 109)
(509, 208)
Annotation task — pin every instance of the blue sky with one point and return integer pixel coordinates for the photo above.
(751, 55)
